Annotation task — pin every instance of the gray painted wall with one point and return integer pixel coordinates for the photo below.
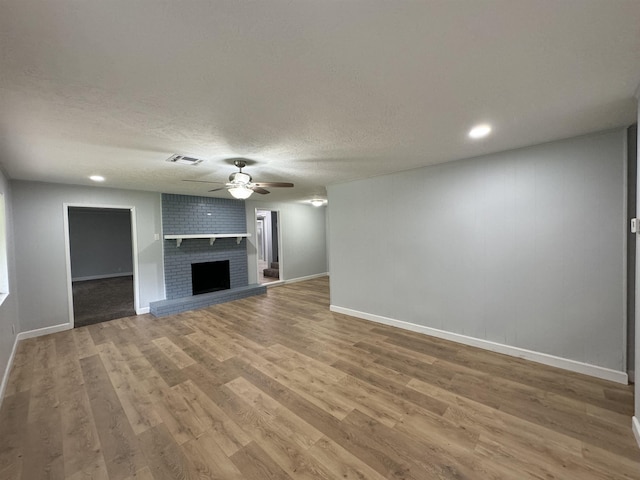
(523, 248)
(100, 242)
(9, 308)
(302, 232)
(40, 253)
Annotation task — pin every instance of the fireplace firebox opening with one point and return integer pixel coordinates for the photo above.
(210, 277)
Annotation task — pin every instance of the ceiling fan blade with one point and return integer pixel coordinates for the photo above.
(273, 184)
(200, 181)
(217, 189)
(259, 190)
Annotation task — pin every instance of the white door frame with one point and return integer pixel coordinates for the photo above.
(134, 252)
(280, 257)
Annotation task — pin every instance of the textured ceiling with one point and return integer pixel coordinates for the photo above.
(316, 92)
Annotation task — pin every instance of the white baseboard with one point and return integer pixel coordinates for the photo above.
(7, 370)
(100, 277)
(44, 331)
(544, 358)
(308, 277)
(294, 280)
(635, 426)
(143, 310)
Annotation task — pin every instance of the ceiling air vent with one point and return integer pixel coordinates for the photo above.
(182, 160)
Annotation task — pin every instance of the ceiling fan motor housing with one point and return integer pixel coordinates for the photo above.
(240, 177)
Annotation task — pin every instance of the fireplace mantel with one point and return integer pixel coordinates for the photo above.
(211, 236)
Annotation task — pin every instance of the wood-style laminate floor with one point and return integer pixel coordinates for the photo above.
(276, 386)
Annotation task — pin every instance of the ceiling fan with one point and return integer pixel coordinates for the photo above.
(240, 184)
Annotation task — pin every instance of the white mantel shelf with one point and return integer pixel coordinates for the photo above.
(211, 236)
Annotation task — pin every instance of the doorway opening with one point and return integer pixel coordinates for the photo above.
(101, 263)
(268, 246)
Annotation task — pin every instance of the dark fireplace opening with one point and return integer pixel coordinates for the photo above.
(210, 277)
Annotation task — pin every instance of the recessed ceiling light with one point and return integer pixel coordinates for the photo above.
(97, 178)
(480, 131)
(317, 202)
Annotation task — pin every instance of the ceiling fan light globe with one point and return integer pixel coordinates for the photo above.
(240, 192)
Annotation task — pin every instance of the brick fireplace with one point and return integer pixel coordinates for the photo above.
(191, 215)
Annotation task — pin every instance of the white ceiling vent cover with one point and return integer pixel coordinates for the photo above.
(183, 160)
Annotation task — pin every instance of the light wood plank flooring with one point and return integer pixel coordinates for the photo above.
(276, 386)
